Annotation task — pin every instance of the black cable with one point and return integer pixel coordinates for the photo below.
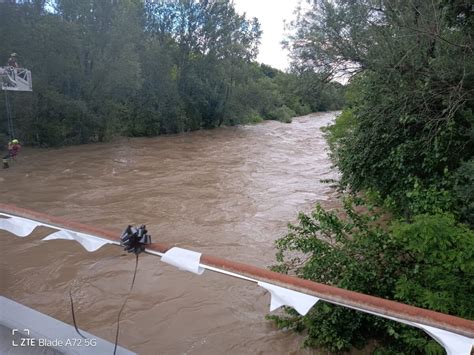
(71, 299)
(73, 314)
(134, 240)
(134, 273)
(124, 303)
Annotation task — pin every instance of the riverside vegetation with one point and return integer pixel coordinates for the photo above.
(405, 140)
(404, 145)
(143, 68)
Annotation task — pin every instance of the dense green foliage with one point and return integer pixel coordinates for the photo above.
(142, 68)
(411, 101)
(428, 263)
(406, 141)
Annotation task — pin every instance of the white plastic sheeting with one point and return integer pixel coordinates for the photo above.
(189, 260)
(183, 259)
(281, 296)
(454, 344)
(21, 227)
(89, 242)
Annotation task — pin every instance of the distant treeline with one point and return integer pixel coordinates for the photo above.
(143, 68)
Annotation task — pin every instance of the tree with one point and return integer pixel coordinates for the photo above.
(132, 67)
(212, 40)
(406, 142)
(410, 95)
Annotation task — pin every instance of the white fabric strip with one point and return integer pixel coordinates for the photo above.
(454, 344)
(21, 227)
(183, 259)
(189, 260)
(89, 242)
(284, 297)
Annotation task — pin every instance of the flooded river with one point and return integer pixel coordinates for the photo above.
(227, 192)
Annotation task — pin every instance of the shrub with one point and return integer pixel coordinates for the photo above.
(464, 190)
(427, 263)
(301, 109)
(343, 124)
(282, 114)
(253, 117)
(440, 255)
(434, 198)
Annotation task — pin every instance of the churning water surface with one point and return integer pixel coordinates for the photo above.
(228, 192)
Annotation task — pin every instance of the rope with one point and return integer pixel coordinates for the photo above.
(11, 130)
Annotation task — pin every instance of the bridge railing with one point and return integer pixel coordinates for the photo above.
(455, 334)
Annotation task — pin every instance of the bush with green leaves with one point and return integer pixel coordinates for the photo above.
(253, 118)
(427, 263)
(282, 114)
(406, 139)
(408, 97)
(389, 145)
(464, 190)
(341, 127)
(439, 253)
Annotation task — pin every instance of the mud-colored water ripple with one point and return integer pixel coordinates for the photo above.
(228, 192)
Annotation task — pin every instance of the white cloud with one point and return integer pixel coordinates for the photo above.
(271, 15)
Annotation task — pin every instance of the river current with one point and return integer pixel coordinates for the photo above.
(228, 192)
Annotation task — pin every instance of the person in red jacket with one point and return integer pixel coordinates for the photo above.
(13, 150)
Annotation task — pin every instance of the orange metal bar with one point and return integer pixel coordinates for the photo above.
(331, 294)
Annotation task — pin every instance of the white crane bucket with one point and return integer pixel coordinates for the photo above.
(15, 79)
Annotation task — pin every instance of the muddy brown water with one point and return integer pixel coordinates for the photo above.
(228, 192)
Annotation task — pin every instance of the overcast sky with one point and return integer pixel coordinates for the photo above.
(271, 14)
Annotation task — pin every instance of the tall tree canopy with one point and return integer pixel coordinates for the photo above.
(133, 67)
